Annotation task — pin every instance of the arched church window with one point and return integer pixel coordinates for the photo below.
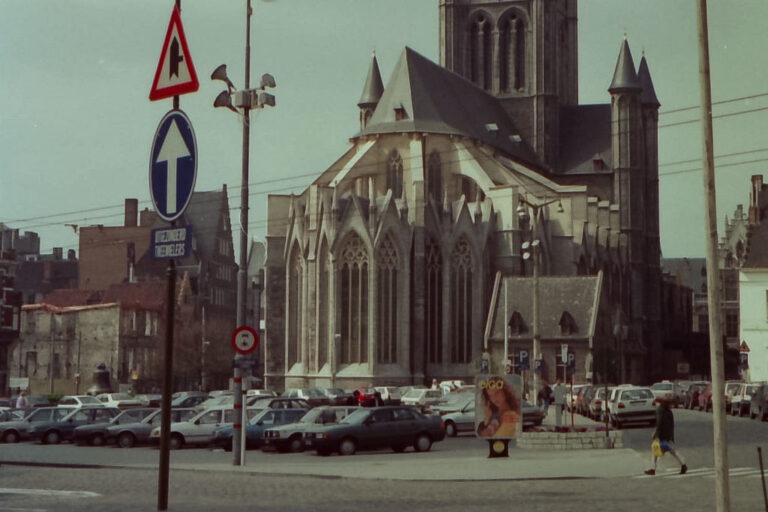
(480, 61)
(461, 300)
(386, 264)
(354, 301)
(435, 177)
(395, 174)
(295, 302)
(323, 299)
(511, 53)
(434, 301)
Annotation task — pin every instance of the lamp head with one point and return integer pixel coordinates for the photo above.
(267, 80)
(220, 73)
(266, 99)
(224, 100)
(560, 208)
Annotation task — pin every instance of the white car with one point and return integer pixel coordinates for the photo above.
(633, 405)
(120, 400)
(78, 401)
(260, 392)
(199, 428)
(666, 390)
(421, 397)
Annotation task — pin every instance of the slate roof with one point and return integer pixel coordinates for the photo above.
(624, 76)
(436, 100)
(578, 295)
(648, 96)
(585, 132)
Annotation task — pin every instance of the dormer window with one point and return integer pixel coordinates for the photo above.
(400, 113)
(516, 324)
(567, 324)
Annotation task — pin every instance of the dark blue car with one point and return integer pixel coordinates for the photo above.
(54, 432)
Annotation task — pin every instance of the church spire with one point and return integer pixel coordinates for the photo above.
(624, 77)
(648, 96)
(372, 91)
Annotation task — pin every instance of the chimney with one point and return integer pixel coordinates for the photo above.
(71, 255)
(754, 199)
(131, 212)
(58, 252)
(147, 217)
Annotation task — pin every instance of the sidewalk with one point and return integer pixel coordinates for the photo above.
(578, 419)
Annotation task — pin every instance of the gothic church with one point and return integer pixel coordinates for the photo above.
(381, 272)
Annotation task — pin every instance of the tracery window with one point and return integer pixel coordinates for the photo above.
(434, 302)
(386, 264)
(395, 174)
(435, 177)
(511, 54)
(461, 298)
(295, 303)
(480, 63)
(354, 301)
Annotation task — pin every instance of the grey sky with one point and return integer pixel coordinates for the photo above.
(76, 124)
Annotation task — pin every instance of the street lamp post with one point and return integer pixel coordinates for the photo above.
(246, 99)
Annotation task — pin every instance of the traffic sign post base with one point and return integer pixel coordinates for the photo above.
(498, 448)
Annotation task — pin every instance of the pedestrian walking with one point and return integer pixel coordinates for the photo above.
(665, 435)
(21, 401)
(558, 392)
(544, 397)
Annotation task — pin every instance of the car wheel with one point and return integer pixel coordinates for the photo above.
(450, 429)
(177, 441)
(11, 437)
(126, 440)
(423, 443)
(296, 444)
(97, 440)
(752, 415)
(347, 447)
(52, 437)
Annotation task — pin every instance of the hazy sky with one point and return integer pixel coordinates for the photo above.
(76, 124)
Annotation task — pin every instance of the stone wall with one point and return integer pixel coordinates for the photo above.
(590, 439)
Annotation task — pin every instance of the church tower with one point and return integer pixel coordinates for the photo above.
(371, 95)
(525, 52)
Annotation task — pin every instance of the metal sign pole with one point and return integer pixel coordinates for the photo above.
(165, 419)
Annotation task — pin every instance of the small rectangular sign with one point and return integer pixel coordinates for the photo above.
(171, 242)
(245, 364)
(18, 382)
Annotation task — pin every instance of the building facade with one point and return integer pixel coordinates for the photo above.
(382, 270)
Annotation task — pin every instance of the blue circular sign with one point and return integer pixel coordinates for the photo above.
(172, 165)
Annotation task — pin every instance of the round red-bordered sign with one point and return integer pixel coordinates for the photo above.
(245, 340)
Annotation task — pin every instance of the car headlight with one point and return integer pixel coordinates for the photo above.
(275, 434)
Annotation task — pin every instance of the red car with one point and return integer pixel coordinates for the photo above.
(368, 397)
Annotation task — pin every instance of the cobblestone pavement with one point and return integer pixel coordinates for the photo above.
(193, 491)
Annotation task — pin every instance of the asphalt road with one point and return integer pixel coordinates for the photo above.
(26, 488)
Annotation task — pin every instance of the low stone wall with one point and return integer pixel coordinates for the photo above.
(590, 439)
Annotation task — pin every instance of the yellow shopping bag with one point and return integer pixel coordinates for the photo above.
(656, 448)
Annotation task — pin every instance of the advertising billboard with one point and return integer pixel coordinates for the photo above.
(498, 407)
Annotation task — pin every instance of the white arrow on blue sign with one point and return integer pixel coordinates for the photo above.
(173, 165)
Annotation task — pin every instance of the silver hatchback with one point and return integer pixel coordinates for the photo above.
(633, 405)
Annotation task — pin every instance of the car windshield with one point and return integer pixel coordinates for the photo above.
(458, 399)
(314, 393)
(637, 394)
(312, 415)
(356, 417)
(89, 400)
(662, 386)
(414, 393)
(751, 390)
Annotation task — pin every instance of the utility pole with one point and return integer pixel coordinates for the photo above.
(203, 343)
(50, 353)
(722, 492)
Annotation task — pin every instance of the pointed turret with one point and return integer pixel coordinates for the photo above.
(372, 91)
(624, 77)
(648, 96)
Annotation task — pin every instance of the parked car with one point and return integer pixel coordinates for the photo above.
(586, 398)
(666, 390)
(731, 388)
(741, 401)
(758, 406)
(337, 396)
(215, 401)
(79, 401)
(186, 401)
(450, 403)
(260, 393)
(12, 414)
(290, 437)
(422, 397)
(199, 428)
(682, 391)
(571, 394)
(95, 434)
(705, 398)
(220, 392)
(119, 400)
(314, 396)
(390, 395)
(633, 405)
(462, 420)
(254, 431)
(366, 397)
(56, 431)
(595, 407)
(127, 435)
(152, 400)
(396, 427)
(15, 431)
(692, 396)
(277, 403)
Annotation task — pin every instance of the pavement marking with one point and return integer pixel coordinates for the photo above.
(705, 472)
(17, 509)
(50, 492)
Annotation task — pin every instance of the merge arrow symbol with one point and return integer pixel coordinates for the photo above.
(172, 149)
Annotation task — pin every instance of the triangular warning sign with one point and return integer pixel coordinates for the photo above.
(175, 72)
(744, 347)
